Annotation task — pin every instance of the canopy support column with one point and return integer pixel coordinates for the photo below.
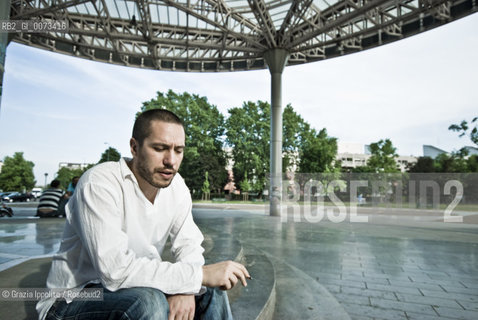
(276, 60)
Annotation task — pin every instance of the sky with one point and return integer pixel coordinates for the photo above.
(56, 108)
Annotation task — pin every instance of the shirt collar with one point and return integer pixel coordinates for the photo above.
(125, 170)
(126, 173)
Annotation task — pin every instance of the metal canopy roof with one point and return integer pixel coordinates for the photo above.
(227, 35)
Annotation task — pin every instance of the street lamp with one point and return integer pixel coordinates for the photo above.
(46, 176)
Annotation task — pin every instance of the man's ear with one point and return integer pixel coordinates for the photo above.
(134, 146)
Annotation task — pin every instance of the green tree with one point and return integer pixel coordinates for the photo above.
(423, 165)
(245, 185)
(294, 135)
(110, 154)
(245, 188)
(206, 191)
(17, 173)
(383, 157)
(452, 163)
(303, 146)
(65, 175)
(472, 163)
(456, 162)
(204, 126)
(463, 127)
(318, 153)
(248, 134)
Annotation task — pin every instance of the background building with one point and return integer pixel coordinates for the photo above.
(431, 151)
(73, 166)
(354, 155)
(472, 150)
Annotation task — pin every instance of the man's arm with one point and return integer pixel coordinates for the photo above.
(186, 239)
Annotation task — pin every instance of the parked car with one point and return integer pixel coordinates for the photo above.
(17, 196)
(5, 194)
(37, 192)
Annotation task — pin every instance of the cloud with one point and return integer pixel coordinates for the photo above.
(409, 91)
(39, 113)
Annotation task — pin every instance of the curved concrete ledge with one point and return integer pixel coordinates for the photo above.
(267, 312)
(224, 247)
(310, 299)
(207, 244)
(257, 300)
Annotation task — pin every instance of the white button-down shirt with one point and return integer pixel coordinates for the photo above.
(115, 236)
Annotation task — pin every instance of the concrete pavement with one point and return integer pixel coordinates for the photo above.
(399, 265)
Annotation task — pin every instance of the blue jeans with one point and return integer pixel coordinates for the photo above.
(139, 304)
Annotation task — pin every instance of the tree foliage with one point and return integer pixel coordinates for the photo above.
(65, 175)
(463, 127)
(204, 126)
(383, 157)
(248, 134)
(423, 165)
(245, 185)
(295, 134)
(206, 187)
(318, 152)
(456, 162)
(110, 154)
(17, 173)
(303, 148)
(472, 163)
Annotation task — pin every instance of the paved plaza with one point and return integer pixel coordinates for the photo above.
(399, 265)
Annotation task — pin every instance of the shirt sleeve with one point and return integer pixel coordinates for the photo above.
(98, 222)
(186, 238)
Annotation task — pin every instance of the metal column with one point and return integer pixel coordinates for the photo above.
(276, 60)
(4, 15)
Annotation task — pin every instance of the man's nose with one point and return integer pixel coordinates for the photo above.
(170, 158)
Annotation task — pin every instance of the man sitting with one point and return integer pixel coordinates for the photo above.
(50, 201)
(117, 224)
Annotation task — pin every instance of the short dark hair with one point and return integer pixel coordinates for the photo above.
(55, 183)
(142, 125)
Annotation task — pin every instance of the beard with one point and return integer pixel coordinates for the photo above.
(148, 176)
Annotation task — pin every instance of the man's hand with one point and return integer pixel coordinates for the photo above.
(181, 307)
(224, 274)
